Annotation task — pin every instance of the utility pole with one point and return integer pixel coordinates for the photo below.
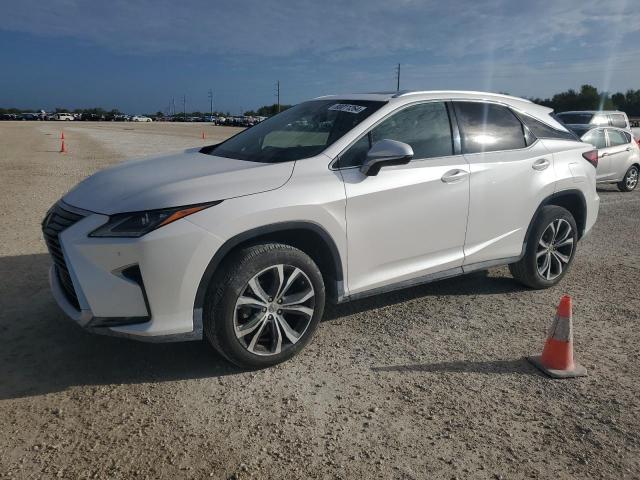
(173, 106)
(184, 107)
(398, 78)
(211, 104)
(278, 94)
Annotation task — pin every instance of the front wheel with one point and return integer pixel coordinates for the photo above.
(630, 180)
(264, 306)
(550, 249)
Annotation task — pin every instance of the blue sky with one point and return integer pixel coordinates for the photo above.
(136, 54)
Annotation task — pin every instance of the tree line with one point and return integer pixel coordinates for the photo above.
(589, 98)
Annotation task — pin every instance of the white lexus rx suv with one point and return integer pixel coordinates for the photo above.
(334, 199)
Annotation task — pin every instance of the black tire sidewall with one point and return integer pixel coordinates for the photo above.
(548, 214)
(220, 312)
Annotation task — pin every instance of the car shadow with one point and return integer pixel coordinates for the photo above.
(476, 283)
(42, 351)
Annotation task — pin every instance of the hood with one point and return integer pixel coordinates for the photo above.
(186, 178)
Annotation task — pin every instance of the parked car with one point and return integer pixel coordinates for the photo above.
(8, 116)
(243, 242)
(140, 118)
(618, 155)
(612, 118)
(91, 117)
(29, 116)
(64, 117)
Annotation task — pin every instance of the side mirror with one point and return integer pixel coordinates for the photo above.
(384, 153)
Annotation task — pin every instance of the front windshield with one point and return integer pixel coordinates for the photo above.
(302, 131)
(575, 118)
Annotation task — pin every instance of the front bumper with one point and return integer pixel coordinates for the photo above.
(158, 305)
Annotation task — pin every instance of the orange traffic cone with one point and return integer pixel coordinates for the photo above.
(203, 137)
(62, 135)
(62, 147)
(557, 356)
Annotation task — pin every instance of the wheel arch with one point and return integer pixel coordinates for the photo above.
(309, 237)
(573, 200)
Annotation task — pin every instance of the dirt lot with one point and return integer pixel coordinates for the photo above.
(425, 383)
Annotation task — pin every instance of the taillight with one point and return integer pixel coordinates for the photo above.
(592, 157)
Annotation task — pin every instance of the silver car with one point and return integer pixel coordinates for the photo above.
(618, 155)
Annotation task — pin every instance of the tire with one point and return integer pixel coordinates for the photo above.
(630, 180)
(234, 314)
(559, 251)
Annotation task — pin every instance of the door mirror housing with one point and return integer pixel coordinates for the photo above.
(385, 153)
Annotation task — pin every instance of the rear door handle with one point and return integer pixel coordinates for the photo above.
(541, 164)
(453, 176)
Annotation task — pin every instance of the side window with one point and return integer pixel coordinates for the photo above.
(542, 130)
(618, 120)
(596, 138)
(487, 127)
(616, 138)
(600, 120)
(424, 126)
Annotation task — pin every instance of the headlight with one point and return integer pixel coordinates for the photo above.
(137, 224)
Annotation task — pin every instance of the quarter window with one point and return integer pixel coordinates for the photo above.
(487, 127)
(425, 127)
(542, 130)
(617, 138)
(595, 138)
(618, 120)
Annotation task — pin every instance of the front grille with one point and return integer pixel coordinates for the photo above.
(57, 220)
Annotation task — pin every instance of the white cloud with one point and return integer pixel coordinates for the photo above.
(338, 30)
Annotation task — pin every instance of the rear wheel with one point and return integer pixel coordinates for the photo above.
(550, 249)
(264, 306)
(630, 180)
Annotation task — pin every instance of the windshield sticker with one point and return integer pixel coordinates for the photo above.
(345, 107)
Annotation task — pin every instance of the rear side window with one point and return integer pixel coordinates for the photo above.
(425, 127)
(542, 130)
(595, 138)
(618, 120)
(575, 118)
(617, 137)
(486, 127)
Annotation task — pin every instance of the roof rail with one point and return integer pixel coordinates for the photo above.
(403, 93)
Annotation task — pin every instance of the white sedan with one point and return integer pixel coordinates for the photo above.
(141, 118)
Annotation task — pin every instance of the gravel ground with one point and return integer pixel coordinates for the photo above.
(429, 382)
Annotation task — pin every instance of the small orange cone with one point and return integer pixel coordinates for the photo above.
(62, 135)
(557, 356)
(62, 147)
(203, 137)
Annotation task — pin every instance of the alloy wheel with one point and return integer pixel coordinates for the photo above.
(555, 249)
(631, 180)
(274, 310)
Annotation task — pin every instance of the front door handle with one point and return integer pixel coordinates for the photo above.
(541, 164)
(453, 176)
